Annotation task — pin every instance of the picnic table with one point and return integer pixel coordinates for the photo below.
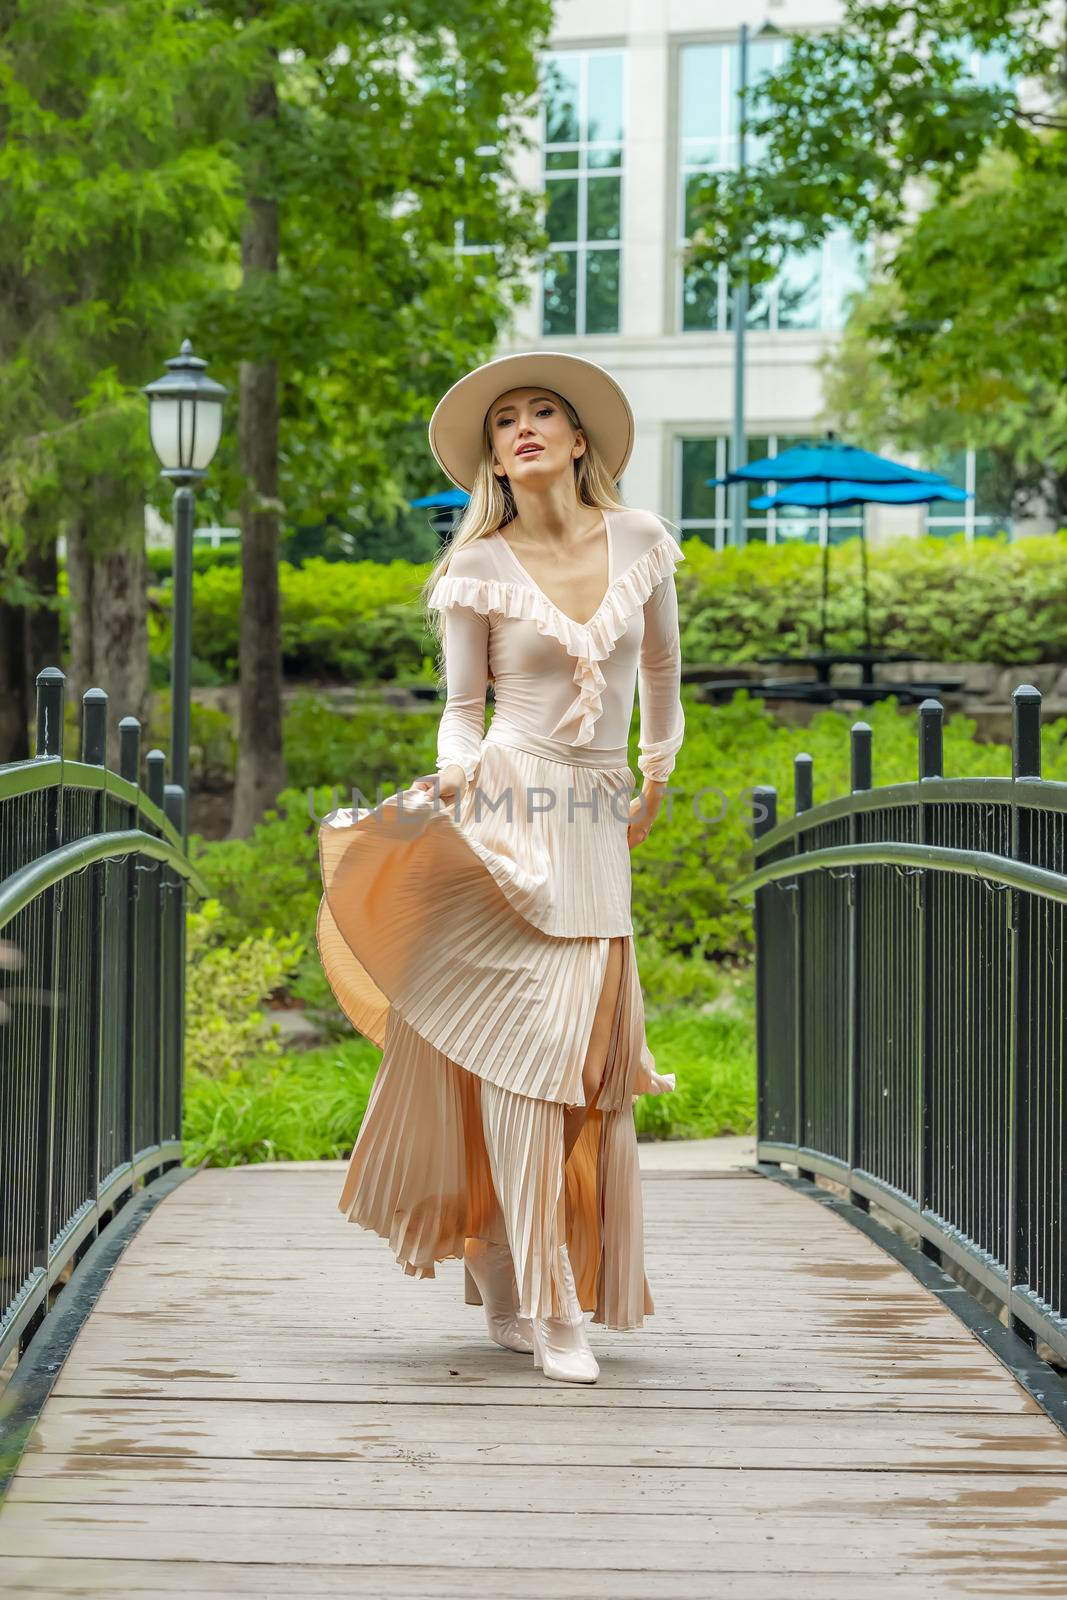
(814, 692)
(825, 660)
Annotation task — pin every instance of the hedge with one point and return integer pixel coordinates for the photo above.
(940, 599)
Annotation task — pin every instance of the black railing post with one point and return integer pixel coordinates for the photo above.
(862, 779)
(1025, 766)
(803, 798)
(94, 727)
(51, 687)
(931, 739)
(94, 753)
(765, 801)
(156, 767)
(931, 768)
(130, 769)
(174, 955)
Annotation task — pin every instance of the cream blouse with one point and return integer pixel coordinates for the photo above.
(554, 677)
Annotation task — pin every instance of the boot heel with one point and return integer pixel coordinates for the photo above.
(491, 1274)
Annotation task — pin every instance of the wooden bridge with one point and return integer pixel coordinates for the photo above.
(261, 1403)
(238, 1393)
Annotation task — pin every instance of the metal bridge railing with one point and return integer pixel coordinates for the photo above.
(92, 927)
(911, 971)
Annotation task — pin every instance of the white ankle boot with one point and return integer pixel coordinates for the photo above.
(561, 1349)
(493, 1271)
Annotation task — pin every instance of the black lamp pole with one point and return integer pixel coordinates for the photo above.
(185, 421)
(181, 649)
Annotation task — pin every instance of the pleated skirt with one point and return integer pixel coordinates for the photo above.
(470, 943)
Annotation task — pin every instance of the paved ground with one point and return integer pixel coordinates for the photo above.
(697, 1155)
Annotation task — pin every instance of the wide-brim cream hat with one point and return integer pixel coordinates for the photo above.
(458, 422)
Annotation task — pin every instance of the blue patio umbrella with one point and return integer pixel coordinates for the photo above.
(828, 461)
(446, 497)
(825, 495)
(443, 509)
(822, 496)
(827, 474)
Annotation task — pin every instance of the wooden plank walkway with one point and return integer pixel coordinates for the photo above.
(262, 1404)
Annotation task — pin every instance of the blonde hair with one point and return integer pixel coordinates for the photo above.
(492, 506)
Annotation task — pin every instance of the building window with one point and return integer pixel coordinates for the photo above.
(705, 510)
(814, 286)
(988, 513)
(486, 165)
(583, 162)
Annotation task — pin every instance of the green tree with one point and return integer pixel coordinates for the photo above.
(963, 340)
(369, 133)
(111, 171)
(858, 116)
(936, 129)
(284, 182)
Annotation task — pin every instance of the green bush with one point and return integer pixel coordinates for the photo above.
(225, 987)
(161, 558)
(212, 745)
(943, 599)
(375, 746)
(347, 621)
(940, 599)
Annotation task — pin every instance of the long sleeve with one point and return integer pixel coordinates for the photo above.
(659, 679)
(462, 724)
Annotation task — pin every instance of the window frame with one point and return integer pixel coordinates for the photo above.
(685, 169)
(581, 173)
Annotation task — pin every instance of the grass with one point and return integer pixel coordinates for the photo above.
(308, 1106)
(304, 1107)
(713, 1058)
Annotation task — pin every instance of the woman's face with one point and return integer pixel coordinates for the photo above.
(532, 437)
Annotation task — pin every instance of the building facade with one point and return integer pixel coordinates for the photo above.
(640, 98)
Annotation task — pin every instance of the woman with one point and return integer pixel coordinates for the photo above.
(477, 926)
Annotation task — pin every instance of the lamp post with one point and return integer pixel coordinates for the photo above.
(185, 424)
(739, 449)
(739, 443)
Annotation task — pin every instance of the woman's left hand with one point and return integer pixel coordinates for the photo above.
(644, 809)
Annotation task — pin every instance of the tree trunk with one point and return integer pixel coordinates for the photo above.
(30, 638)
(14, 684)
(260, 763)
(108, 627)
(44, 629)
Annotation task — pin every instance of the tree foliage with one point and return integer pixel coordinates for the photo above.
(113, 169)
(859, 115)
(963, 341)
(124, 161)
(958, 177)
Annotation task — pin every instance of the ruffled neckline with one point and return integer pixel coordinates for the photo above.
(588, 643)
(609, 533)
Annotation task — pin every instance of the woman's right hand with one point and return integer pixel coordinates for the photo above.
(451, 779)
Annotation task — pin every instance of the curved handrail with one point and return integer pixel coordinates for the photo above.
(21, 887)
(909, 1042)
(97, 1020)
(48, 772)
(941, 858)
(1044, 792)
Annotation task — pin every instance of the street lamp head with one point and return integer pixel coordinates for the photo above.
(185, 416)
